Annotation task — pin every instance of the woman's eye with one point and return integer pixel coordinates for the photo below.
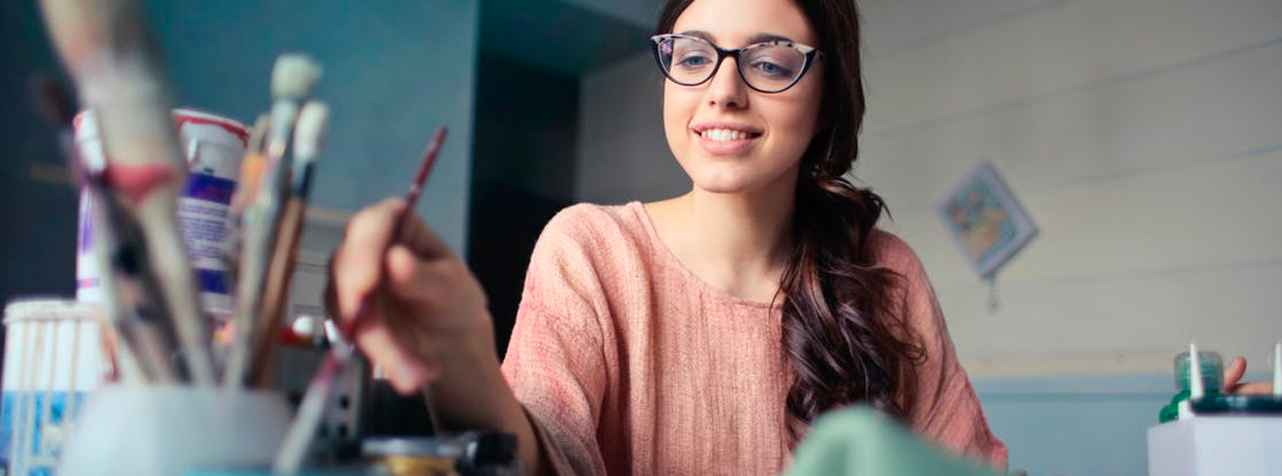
(694, 61)
(771, 69)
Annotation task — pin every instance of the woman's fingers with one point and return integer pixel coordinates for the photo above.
(1233, 374)
(1252, 388)
(407, 372)
(414, 279)
(1233, 380)
(425, 307)
(422, 240)
(362, 253)
(358, 262)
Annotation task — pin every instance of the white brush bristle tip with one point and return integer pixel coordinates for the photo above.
(312, 122)
(1197, 389)
(294, 75)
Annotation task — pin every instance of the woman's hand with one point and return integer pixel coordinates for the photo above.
(426, 311)
(1232, 376)
(428, 322)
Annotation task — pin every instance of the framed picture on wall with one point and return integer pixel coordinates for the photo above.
(987, 222)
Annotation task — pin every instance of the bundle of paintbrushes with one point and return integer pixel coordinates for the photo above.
(151, 299)
(269, 208)
(149, 289)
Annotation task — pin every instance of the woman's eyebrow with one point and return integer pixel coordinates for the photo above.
(768, 37)
(699, 34)
(757, 38)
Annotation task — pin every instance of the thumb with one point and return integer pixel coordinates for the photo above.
(420, 239)
(413, 278)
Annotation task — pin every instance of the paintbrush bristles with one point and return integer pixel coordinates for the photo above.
(292, 80)
(293, 76)
(309, 132)
(1197, 389)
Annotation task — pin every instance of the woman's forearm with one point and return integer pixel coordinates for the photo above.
(472, 394)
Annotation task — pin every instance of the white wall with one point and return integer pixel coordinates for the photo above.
(1145, 136)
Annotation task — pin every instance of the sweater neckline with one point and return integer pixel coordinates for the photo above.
(666, 254)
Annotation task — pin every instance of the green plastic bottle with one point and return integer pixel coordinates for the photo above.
(1212, 380)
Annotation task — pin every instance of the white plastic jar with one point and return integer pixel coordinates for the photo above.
(213, 147)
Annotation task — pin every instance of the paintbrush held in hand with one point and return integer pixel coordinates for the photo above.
(308, 419)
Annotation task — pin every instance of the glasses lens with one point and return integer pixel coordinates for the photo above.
(687, 61)
(771, 68)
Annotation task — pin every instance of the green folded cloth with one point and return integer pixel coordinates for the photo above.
(863, 442)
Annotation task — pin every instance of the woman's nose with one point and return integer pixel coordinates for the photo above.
(726, 88)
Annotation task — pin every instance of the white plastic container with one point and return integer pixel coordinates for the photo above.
(170, 430)
(1216, 445)
(213, 147)
(53, 359)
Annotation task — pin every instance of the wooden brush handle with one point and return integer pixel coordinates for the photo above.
(280, 271)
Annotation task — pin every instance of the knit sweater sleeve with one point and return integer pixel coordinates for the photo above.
(943, 407)
(555, 362)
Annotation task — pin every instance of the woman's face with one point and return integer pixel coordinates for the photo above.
(778, 127)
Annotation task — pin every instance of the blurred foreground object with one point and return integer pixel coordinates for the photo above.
(862, 442)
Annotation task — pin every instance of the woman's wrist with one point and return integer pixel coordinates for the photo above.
(472, 394)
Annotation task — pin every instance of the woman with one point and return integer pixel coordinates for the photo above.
(703, 333)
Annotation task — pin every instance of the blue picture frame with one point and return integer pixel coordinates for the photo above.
(988, 224)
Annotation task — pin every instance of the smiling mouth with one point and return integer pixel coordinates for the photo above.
(727, 135)
(726, 142)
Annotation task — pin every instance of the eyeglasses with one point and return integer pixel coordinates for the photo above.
(768, 67)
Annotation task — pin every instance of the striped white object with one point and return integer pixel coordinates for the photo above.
(53, 358)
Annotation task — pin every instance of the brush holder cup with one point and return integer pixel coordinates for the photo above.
(170, 430)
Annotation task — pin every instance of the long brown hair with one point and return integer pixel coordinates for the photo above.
(842, 338)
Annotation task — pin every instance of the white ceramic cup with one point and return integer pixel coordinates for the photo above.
(169, 430)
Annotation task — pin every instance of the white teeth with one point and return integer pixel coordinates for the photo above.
(724, 135)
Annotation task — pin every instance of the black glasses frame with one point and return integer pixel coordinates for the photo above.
(811, 54)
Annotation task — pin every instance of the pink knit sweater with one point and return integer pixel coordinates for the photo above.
(630, 364)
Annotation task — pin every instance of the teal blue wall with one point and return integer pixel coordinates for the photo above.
(394, 71)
